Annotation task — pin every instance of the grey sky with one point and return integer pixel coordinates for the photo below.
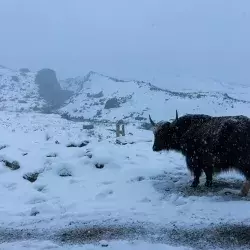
(143, 39)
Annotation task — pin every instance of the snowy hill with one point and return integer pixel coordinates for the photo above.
(102, 97)
(66, 187)
(25, 91)
(18, 91)
(99, 97)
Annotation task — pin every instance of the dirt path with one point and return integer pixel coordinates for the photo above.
(219, 236)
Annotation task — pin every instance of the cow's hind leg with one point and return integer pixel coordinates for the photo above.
(246, 184)
(245, 188)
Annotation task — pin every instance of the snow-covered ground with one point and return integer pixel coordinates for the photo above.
(116, 245)
(65, 187)
(137, 194)
(18, 91)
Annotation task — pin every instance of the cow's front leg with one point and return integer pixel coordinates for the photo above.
(194, 167)
(197, 174)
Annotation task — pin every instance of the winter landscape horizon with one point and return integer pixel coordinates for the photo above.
(78, 81)
(68, 182)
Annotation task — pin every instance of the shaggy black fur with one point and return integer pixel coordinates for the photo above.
(210, 144)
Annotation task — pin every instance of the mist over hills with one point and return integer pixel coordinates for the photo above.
(100, 97)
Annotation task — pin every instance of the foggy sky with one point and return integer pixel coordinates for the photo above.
(142, 39)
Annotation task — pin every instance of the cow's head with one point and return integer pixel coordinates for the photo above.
(165, 134)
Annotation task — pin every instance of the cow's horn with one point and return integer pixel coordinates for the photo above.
(176, 115)
(151, 121)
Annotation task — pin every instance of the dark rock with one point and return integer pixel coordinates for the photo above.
(120, 122)
(52, 155)
(112, 103)
(14, 165)
(64, 172)
(2, 147)
(98, 95)
(21, 101)
(98, 113)
(31, 177)
(87, 126)
(99, 165)
(40, 188)
(34, 212)
(82, 144)
(146, 126)
(139, 118)
(89, 155)
(72, 118)
(103, 243)
(125, 99)
(23, 154)
(122, 142)
(140, 178)
(47, 137)
(15, 78)
(24, 70)
(57, 142)
(50, 89)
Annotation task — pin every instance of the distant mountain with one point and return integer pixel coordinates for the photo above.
(30, 91)
(100, 97)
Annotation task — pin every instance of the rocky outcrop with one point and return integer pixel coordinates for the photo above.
(97, 95)
(15, 78)
(24, 70)
(14, 165)
(112, 103)
(31, 177)
(50, 89)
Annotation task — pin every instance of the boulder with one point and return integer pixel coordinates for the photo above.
(15, 78)
(50, 89)
(14, 165)
(112, 103)
(24, 70)
(87, 126)
(31, 177)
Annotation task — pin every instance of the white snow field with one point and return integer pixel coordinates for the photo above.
(121, 245)
(63, 186)
(138, 199)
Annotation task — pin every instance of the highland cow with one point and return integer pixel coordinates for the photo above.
(209, 144)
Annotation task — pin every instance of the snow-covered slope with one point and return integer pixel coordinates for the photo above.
(104, 190)
(18, 92)
(134, 100)
(61, 184)
(25, 91)
(100, 97)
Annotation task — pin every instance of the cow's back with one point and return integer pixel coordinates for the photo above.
(227, 138)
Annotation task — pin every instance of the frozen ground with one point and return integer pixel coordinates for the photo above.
(121, 245)
(126, 195)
